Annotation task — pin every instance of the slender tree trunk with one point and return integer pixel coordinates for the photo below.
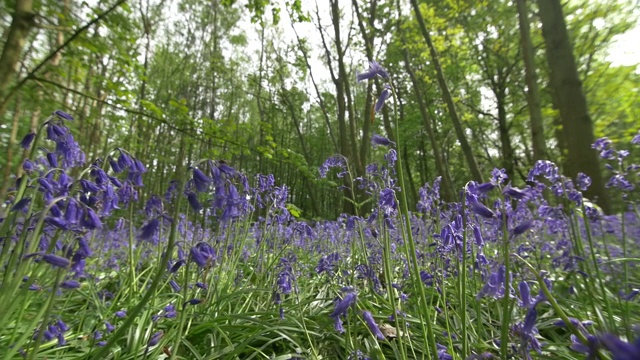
(339, 82)
(565, 82)
(533, 93)
(8, 166)
(448, 98)
(503, 128)
(368, 45)
(22, 22)
(447, 183)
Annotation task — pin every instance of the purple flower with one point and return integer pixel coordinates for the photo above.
(619, 349)
(374, 70)
(498, 176)
(601, 144)
(155, 338)
(62, 326)
(109, 327)
(480, 209)
(56, 260)
(20, 205)
(337, 324)
(513, 192)
(27, 140)
(200, 180)
(525, 294)
(343, 305)
(371, 323)
(380, 140)
(193, 201)
(384, 95)
(174, 285)
(636, 139)
(149, 230)
(530, 321)
(334, 161)
(193, 302)
(583, 181)
(477, 234)
(121, 314)
(70, 284)
(63, 115)
(91, 220)
(524, 226)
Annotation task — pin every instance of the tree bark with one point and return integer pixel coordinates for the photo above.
(22, 22)
(448, 98)
(339, 82)
(447, 184)
(577, 126)
(533, 93)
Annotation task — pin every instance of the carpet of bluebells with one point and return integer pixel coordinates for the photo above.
(217, 267)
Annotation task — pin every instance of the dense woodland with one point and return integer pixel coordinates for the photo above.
(270, 86)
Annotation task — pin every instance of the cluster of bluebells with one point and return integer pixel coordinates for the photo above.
(625, 177)
(218, 195)
(53, 330)
(375, 70)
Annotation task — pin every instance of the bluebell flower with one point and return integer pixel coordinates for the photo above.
(109, 327)
(148, 231)
(193, 201)
(27, 140)
(374, 70)
(380, 140)
(478, 208)
(477, 235)
(200, 180)
(523, 227)
(337, 324)
(334, 161)
(155, 338)
(498, 176)
(63, 115)
(385, 94)
(343, 305)
(120, 314)
(22, 204)
(70, 284)
(636, 139)
(57, 261)
(391, 157)
(514, 192)
(371, 324)
(525, 294)
(442, 353)
(193, 302)
(620, 350)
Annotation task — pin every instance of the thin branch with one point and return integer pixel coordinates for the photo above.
(31, 74)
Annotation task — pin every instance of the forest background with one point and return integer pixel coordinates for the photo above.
(270, 86)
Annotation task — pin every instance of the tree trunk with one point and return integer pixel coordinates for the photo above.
(446, 184)
(503, 127)
(565, 82)
(339, 82)
(8, 166)
(23, 21)
(448, 98)
(533, 93)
